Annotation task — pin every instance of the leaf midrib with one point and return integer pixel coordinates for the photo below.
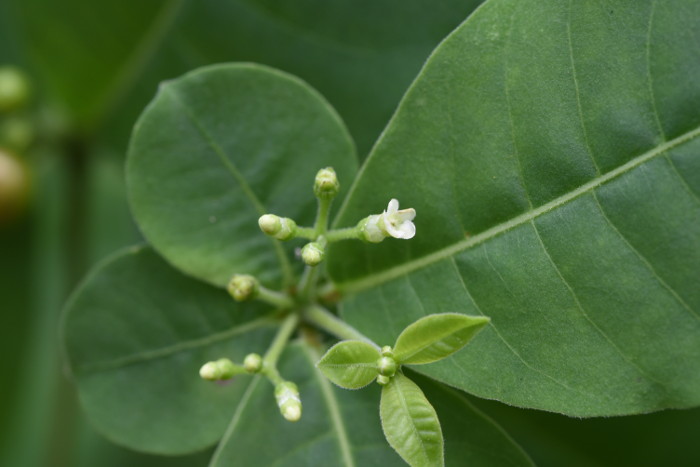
(163, 352)
(237, 175)
(333, 408)
(372, 280)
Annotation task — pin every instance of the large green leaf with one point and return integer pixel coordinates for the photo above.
(136, 333)
(218, 148)
(551, 152)
(342, 428)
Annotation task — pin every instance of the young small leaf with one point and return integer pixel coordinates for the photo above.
(350, 364)
(410, 423)
(435, 337)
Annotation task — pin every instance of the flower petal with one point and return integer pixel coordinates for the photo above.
(405, 214)
(408, 230)
(393, 206)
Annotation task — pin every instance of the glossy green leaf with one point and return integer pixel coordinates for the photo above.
(350, 364)
(410, 423)
(136, 333)
(218, 148)
(551, 151)
(435, 337)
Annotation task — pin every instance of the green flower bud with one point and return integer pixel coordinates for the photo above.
(326, 184)
(287, 396)
(387, 351)
(14, 88)
(386, 366)
(243, 287)
(253, 363)
(210, 371)
(312, 253)
(281, 228)
(369, 229)
(223, 368)
(383, 380)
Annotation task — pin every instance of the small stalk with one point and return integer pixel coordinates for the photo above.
(306, 232)
(327, 321)
(278, 299)
(278, 344)
(324, 207)
(349, 233)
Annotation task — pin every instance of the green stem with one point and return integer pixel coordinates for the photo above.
(278, 299)
(327, 321)
(306, 232)
(349, 233)
(308, 281)
(324, 207)
(278, 344)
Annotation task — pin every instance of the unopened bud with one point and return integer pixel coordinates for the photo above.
(222, 368)
(243, 287)
(312, 253)
(326, 184)
(387, 351)
(209, 371)
(383, 380)
(369, 229)
(253, 363)
(14, 88)
(287, 396)
(386, 366)
(281, 228)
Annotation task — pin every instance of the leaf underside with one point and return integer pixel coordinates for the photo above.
(551, 150)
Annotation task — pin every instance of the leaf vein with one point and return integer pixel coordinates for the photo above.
(579, 107)
(683, 181)
(650, 82)
(506, 89)
(505, 342)
(176, 348)
(372, 280)
(585, 314)
(644, 260)
(333, 408)
(235, 419)
(240, 179)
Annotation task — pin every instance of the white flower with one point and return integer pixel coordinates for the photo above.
(390, 223)
(397, 223)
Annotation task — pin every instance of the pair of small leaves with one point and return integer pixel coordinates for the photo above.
(353, 364)
(409, 421)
